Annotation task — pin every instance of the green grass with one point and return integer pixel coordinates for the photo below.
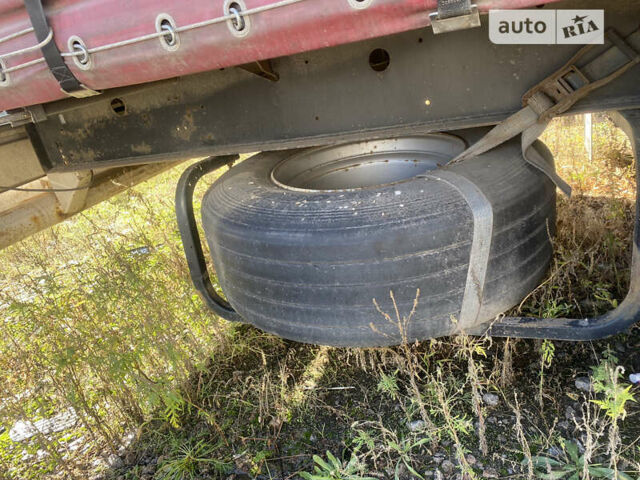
(93, 323)
(90, 320)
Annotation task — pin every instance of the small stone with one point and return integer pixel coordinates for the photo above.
(571, 415)
(75, 444)
(114, 461)
(130, 458)
(490, 473)
(313, 438)
(128, 438)
(438, 475)
(584, 384)
(447, 467)
(554, 451)
(417, 425)
(428, 473)
(490, 399)
(239, 475)
(471, 460)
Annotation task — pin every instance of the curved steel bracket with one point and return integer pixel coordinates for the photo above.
(191, 238)
(615, 321)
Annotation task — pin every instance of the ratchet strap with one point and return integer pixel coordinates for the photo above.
(556, 94)
(482, 212)
(69, 84)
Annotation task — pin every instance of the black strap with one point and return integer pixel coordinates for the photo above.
(453, 8)
(57, 65)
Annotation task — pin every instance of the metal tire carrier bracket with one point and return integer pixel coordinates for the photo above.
(191, 238)
(615, 321)
(553, 96)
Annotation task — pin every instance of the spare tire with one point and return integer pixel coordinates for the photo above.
(304, 241)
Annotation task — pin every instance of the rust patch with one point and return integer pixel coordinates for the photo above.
(60, 214)
(143, 147)
(186, 128)
(82, 156)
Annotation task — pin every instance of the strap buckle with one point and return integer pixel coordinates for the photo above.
(570, 84)
(82, 92)
(453, 15)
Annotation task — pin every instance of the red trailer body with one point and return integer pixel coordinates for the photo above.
(292, 27)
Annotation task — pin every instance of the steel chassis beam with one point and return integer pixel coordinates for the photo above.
(432, 83)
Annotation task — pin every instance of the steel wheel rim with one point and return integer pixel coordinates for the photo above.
(365, 165)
